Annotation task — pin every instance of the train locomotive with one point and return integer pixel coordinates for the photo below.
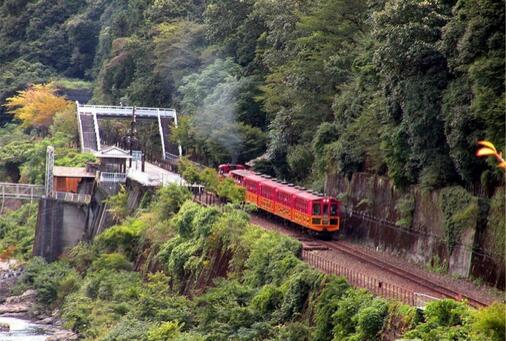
(313, 211)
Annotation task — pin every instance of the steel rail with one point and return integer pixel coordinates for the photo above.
(388, 267)
(407, 275)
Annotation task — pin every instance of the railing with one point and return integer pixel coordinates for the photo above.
(169, 156)
(21, 191)
(73, 197)
(375, 285)
(112, 177)
(110, 110)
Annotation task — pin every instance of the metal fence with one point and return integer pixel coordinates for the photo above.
(73, 197)
(374, 285)
(112, 177)
(21, 191)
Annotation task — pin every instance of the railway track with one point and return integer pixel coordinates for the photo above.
(317, 244)
(397, 271)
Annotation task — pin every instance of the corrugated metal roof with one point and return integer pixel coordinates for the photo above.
(72, 172)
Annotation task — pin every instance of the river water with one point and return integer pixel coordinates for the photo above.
(22, 330)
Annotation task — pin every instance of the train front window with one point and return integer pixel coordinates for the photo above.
(316, 209)
(325, 209)
(333, 209)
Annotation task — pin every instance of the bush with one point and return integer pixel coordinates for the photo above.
(298, 288)
(490, 323)
(17, 232)
(344, 320)
(267, 300)
(326, 306)
(127, 329)
(370, 320)
(294, 331)
(444, 320)
(169, 200)
(158, 303)
(445, 312)
(165, 332)
(111, 261)
(80, 256)
(77, 312)
(405, 207)
(230, 191)
(113, 286)
(460, 212)
(496, 222)
(118, 204)
(47, 280)
(121, 238)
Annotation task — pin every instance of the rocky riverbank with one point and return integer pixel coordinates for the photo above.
(23, 306)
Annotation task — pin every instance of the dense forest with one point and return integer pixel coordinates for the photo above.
(403, 88)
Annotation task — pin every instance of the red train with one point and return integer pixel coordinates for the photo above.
(308, 209)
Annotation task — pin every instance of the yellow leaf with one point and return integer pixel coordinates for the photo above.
(502, 165)
(485, 151)
(36, 105)
(487, 144)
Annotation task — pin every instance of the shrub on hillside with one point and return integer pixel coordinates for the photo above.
(117, 204)
(17, 232)
(121, 238)
(169, 200)
(444, 320)
(328, 303)
(111, 261)
(490, 323)
(49, 280)
(127, 329)
(80, 256)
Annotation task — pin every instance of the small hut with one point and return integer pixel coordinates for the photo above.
(69, 179)
(113, 160)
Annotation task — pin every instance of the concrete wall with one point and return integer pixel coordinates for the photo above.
(374, 217)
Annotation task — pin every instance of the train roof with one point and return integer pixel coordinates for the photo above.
(272, 182)
(309, 196)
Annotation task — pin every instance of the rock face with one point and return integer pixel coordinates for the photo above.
(373, 213)
(22, 307)
(18, 304)
(62, 335)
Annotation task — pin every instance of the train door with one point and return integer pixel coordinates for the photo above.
(326, 212)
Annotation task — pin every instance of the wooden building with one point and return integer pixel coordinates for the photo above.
(113, 160)
(68, 179)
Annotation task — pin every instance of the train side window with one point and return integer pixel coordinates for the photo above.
(333, 209)
(316, 209)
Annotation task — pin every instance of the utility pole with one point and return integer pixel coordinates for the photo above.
(132, 135)
(49, 171)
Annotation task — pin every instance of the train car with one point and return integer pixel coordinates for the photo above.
(225, 168)
(312, 211)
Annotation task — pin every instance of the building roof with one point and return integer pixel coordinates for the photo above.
(113, 153)
(72, 172)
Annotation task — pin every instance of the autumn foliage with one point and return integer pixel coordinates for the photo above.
(488, 149)
(37, 105)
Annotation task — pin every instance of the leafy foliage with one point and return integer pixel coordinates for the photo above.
(460, 212)
(37, 105)
(17, 231)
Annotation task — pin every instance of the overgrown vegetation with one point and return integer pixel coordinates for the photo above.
(225, 188)
(216, 277)
(405, 207)
(460, 212)
(17, 231)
